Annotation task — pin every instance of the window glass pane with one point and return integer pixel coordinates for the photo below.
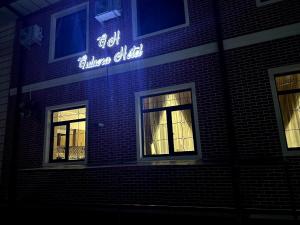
(59, 142)
(167, 100)
(288, 82)
(70, 34)
(155, 133)
(182, 131)
(77, 141)
(290, 109)
(72, 114)
(156, 15)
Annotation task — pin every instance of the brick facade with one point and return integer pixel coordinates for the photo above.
(112, 174)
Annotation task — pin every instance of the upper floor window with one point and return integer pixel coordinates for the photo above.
(167, 124)
(151, 17)
(69, 32)
(68, 135)
(288, 92)
(265, 2)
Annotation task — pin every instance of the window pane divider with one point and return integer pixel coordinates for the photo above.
(170, 132)
(172, 108)
(286, 92)
(67, 142)
(166, 93)
(67, 122)
(182, 103)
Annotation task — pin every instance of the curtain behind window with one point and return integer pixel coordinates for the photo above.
(290, 108)
(155, 124)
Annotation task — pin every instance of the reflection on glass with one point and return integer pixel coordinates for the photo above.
(72, 114)
(155, 133)
(167, 100)
(182, 131)
(290, 109)
(288, 82)
(59, 142)
(77, 141)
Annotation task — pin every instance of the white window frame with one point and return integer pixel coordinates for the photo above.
(135, 22)
(259, 3)
(47, 134)
(58, 15)
(285, 70)
(139, 128)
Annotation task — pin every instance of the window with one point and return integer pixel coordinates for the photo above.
(69, 33)
(167, 124)
(151, 17)
(68, 135)
(265, 2)
(288, 92)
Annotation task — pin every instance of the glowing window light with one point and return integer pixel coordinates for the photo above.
(124, 53)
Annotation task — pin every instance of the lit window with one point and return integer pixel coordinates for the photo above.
(69, 32)
(167, 124)
(68, 135)
(154, 16)
(288, 91)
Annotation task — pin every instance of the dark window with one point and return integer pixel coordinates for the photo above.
(70, 34)
(168, 124)
(288, 91)
(156, 15)
(68, 134)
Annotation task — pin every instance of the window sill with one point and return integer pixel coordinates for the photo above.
(259, 3)
(143, 36)
(291, 153)
(170, 162)
(128, 164)
(53, 60)
(72, 165)
(171, 159)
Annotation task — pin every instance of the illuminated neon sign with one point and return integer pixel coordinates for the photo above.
(104, 41)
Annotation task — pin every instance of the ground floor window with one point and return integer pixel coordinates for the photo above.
(167, 124)
(288, 92)
(68, 135)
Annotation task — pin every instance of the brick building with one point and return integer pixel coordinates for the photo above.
(181, 105)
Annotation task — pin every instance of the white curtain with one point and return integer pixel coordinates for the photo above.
(155, 125)
(290, 108)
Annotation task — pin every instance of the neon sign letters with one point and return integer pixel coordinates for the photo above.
(104, 41)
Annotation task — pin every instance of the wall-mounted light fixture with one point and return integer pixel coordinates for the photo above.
(107, 9)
